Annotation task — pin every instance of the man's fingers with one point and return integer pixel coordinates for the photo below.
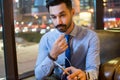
(64, 47)
(79, 75)
(74, 74)
(62, 42)
(61, 37)
(68, 69)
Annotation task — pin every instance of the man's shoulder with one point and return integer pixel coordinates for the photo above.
(87, 31)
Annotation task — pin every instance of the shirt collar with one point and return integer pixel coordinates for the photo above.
(74, 31)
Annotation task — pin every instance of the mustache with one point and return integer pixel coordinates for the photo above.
(60, 25)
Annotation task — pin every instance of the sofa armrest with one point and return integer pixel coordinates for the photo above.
(117, 73)
(110, 70)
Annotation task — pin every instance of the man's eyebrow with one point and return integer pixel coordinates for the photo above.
(62, 12)
(59, 13)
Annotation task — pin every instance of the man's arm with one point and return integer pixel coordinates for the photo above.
(93, 58)
(44, 65)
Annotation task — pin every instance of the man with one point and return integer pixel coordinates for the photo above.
(84, 44)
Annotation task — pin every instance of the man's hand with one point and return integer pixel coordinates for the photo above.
(77, 74)
(59, 46)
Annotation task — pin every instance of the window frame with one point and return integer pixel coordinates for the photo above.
(9, 40)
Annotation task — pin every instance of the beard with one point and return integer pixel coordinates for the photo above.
(63, 27)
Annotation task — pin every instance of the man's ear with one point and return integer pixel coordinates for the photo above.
(73, 11)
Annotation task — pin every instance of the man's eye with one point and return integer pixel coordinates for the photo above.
(53, 17)
(62, 15)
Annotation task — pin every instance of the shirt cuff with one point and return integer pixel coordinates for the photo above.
(91, 75)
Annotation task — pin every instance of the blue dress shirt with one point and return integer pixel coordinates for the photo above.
(85, 49)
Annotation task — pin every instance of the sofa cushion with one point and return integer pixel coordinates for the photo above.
(117, 73)
(110, 70)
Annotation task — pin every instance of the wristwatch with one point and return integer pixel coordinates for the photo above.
(87, 75)
(52, 57)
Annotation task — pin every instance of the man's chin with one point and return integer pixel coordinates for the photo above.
(63, 31)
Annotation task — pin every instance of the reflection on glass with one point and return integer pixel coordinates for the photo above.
(111, 14)
(2, 65)
(27, 26)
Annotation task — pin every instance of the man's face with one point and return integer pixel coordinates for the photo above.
(61, 17)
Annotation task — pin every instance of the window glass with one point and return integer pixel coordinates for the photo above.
(27, 34)
(111, 14)
(85, 13)
(2, 65)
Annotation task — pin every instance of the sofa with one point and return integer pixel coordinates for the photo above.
(109, 56)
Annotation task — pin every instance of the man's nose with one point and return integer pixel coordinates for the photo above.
(59, 20)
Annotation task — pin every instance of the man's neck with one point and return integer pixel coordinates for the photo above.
(70, 28)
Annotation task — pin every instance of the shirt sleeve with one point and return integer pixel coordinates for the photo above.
(93, 58)
(44, 65)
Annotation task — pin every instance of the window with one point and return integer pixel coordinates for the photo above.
(27, 27)
(111, 14)
(2, 65)
(30, 22)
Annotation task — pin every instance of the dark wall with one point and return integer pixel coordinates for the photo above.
(110, 45)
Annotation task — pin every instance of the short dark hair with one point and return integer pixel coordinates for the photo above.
(68, 3)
